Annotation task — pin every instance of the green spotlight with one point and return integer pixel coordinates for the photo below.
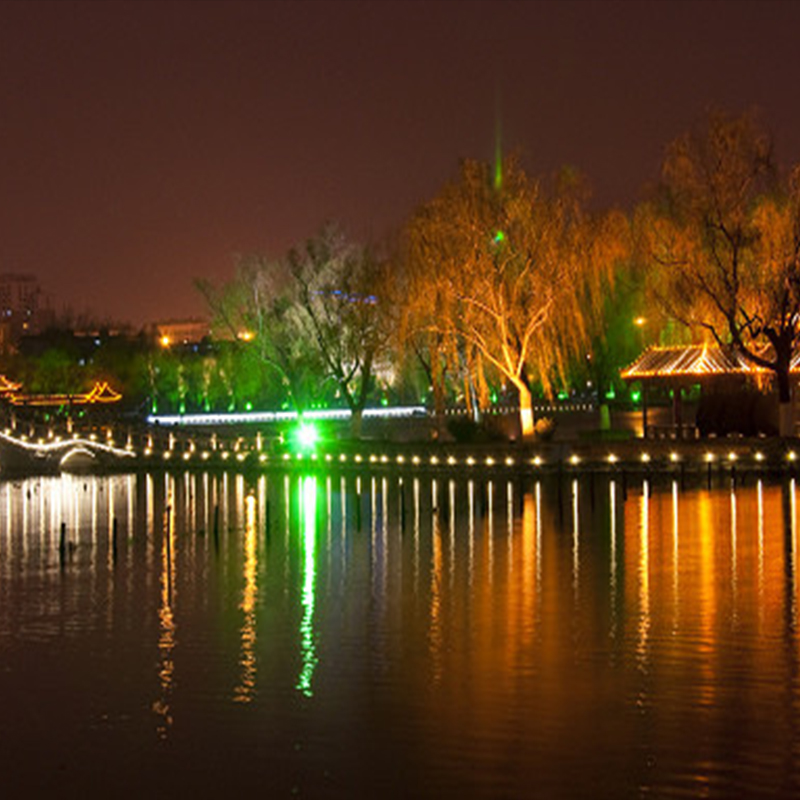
(636, 395)
(307, 436)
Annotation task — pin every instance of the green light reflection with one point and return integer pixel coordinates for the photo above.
(308, 651)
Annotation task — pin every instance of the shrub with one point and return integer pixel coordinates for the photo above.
(544, 428)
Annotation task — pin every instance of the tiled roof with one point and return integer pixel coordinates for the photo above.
(694, 360)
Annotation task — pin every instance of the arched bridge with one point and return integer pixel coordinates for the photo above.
(22, 454)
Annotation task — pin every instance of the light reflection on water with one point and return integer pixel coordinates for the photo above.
(343, 635)
(308, 650)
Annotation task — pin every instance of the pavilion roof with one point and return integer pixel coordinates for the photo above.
(693, 361)
(7, 386)
(100, 393)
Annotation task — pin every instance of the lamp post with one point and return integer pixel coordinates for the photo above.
(640, 322)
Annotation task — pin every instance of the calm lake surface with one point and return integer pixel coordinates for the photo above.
(398, 636)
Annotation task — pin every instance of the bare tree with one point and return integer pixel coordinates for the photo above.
(318, 318)
(342, 291)
(259, 310)
(722, 238)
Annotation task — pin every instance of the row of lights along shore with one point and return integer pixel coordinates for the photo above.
(469, 461)
(574, 460)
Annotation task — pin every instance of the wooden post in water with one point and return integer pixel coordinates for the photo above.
(62, 543)
(114, 539)
(216, 526)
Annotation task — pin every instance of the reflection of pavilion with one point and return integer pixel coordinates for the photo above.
(681, 367)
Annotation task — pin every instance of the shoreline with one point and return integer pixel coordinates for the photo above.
(730, 455)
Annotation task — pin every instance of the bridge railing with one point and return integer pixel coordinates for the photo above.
(140, 438)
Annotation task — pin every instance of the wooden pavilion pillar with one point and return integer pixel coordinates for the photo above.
(677, 410)
(644, 409)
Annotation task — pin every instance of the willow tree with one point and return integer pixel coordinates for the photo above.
(422, 300)
(722, 238)
(517, 272)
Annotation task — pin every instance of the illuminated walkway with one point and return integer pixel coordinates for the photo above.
(154, 447)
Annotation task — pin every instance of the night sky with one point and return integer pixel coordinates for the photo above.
(143, 145)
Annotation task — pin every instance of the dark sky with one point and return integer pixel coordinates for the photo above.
(145, 144)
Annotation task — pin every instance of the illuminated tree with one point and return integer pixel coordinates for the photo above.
(164, 381)
(617, 337)
(122, 362)
(515, 274)
(258, 310)
(422, 301)
(318, 319)
(722, 238)
(341, 290)
(55, 371)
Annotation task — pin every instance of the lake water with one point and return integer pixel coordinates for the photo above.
(398, 636)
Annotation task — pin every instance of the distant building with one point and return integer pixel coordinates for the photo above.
(181, 332)
(23, 308)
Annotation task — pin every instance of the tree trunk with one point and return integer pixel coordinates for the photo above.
(600, 383)
(526, 412)
(355, 423)
(358, 403)
(785, 410)
(439, 396)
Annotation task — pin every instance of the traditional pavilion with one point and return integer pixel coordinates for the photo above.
(681, 366)
(101, 392)
(7, 387)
